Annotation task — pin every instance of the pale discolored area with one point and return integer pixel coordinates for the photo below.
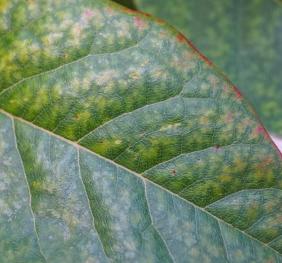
(206, 239)
(208, 175)
(59, 202)
(18, 237)
(121, 214)
(141, 100)
(194, 230)
(239, 176)
(42, 35)
(204, 113)
(257, 211)
(97, 211)
(80, 96)
(240, 249)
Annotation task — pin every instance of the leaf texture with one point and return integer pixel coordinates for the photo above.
(121, 143)
(242, 37)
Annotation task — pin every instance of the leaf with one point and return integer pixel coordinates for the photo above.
(119, 142)
(241, 37)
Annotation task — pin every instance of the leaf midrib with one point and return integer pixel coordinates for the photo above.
(78, 146)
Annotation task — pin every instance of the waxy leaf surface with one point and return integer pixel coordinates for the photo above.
(119, 142)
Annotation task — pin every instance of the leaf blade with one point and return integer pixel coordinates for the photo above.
(163, 206)
(160, 76)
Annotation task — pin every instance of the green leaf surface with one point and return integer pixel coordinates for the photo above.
(242, 37)
(119, 142)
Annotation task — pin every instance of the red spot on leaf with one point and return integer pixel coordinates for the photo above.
(237, 92)
(173, 172)
(129, 11)
(182, 39)
(229, 117)
(146, 14)
(260, 130)
(160, 21)
(139, 23)
(88, 13)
